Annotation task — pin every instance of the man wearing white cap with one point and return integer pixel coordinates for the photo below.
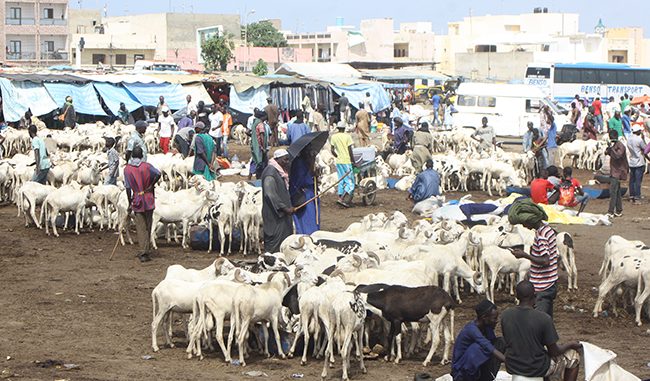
(166, 128)
(635, 146)
(276, 206)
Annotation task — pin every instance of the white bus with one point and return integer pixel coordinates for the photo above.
(563, 81)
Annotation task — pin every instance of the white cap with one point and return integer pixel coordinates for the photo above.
(627, 108)
(636, 128)
(165, 109)
(280, 153)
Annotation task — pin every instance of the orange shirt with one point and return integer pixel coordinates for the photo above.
(227, 123)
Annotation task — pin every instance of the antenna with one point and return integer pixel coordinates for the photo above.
(106, 9)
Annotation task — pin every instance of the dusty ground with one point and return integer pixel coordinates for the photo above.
(62, 299)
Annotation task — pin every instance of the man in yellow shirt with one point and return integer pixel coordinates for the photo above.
(342, 145)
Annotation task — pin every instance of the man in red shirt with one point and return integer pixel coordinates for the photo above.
(140, 178)
(598, 114)
(542, 191)
(571, 192)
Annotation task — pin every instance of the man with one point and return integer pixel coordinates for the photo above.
(478, 353)
(276, 206)
(532, 348)
(616, 124)
(485, 135)
(422, 144)
(527, 141)
(69, 115)
(598, 114)
(113, 162)
(166, 127)
(625, 102)
(367, 103)
(161, 104)
(272, 114)
(344, 110)
(140, 178)
(41, 156)
(137, 140)
(297, 129)
(435, 101)
(635, 146)
(183, 139)
(542, 191)
(551, 144)
(259, 144)
(618, 169)
(571, 192)
(362, 118)
(543, 255)
(216, 120)
(611, 108)
(401, 137)
(187, 120)
(627, 122)
(342, 146)
(191, 106)
(225, 130)
(123, 115)
(426, 184)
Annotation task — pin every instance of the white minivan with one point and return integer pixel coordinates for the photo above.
(508, 107)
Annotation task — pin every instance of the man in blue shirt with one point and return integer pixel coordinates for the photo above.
(297, 129)
(426, 184)
(551, 144)
(478, 353)
(435, 101)
(527, 141)
(627, 123)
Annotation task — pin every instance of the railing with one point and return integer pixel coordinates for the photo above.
(54, 22)
(21, 56)
(54, 56)
(20, 21)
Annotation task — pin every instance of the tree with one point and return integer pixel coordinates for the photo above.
(264, 34)
(217, 51)
(261, 68)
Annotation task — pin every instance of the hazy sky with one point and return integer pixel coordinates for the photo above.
(315, 15)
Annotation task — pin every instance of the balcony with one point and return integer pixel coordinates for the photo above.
(20, 21)
(21, 56)
(54, 56)
(54, 22)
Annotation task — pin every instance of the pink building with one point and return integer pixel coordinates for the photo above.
(246, 57)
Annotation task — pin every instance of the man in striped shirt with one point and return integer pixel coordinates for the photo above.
(543, 259)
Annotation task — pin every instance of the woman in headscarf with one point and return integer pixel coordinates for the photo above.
(68, 115)
(203, 147)
(124, 115)
(302, 187)
(422, 147)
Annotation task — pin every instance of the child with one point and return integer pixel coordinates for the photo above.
(571, 192)
(113, 162)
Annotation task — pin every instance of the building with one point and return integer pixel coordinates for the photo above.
(34, 32)
(170, 37)
(375, 44)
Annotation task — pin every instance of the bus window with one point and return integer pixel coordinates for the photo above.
(626, 77)
(538, 72)
(608, 77)
(590, 76)
(563, 75)
(466, 100)
(532, 105)
(487, 102)
(642, 77)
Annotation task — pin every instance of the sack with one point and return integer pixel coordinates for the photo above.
(567, 194)
(526, 212)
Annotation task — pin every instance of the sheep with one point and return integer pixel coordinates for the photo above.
(250, 220)
(625, 269)
(64, 199)
(30, 195)
(501, 261)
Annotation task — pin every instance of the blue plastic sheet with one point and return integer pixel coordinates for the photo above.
(357, 93)
(84, 97)
(18, 97)
(148, 94)
(247, 100)
(114, 94)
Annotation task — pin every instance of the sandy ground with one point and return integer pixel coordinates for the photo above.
(63, 300)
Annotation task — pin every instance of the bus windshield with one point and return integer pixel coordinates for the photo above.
(538, 72)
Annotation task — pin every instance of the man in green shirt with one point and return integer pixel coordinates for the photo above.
(41, 156)
(616, 123)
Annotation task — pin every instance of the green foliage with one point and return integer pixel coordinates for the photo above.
(261, 68)
(264, 34)
(217, 51)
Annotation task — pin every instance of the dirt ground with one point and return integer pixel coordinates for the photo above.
(62, 299)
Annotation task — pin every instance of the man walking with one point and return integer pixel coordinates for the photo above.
(272, 114)
(532, 348)
(435, 101)
(342, 146)
(362, 118)
(598, 114)
(41, 156)
(276, 206)
(636, 145)
(166, 128)
(140, 178)
(344, 111)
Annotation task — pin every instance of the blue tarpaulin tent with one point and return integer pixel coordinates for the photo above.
(18, 97)
(84, 98)
(113, 94)
(357, 93)
(148, 93)
(248, 100)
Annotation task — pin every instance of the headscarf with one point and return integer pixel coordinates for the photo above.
(281, 170)
(526, 212)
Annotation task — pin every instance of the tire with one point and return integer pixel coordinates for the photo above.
(369, 193)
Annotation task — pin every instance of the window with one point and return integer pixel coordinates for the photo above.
(15, 46)
(49, 46)
(625, 77)
(590, 76)
(485, 48)
(538, 72)
(48, 13)
(99, 58)
(487, 102)
(532, 105)
(608, 77)
(642, 77)
(567, 75)
(466, 100)
(15, 13)
(120, 59)
(137, 57)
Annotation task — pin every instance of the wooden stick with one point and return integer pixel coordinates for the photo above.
(323, 192)
(114, 248)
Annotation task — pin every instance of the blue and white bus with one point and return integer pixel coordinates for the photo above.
(562, 81)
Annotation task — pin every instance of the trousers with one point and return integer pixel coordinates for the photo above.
(143, 221)
(544, 300)
(636, 177)
(615, 197)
